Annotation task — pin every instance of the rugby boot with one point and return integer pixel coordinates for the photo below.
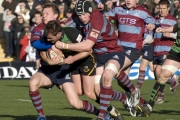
(114, 113)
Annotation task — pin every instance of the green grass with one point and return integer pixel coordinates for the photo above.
(15, 104)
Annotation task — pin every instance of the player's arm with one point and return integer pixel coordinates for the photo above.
(79, 56)
(41, 45)
(37, 42)
(169, 29)
(84, 46)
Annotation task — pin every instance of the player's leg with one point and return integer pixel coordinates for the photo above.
(147, 56)
(111, 69)
(142, 71)
(38, 80)
(157, 72)
(88, 86)
(114, 113)
(169, 67)
(73, 99)
(78, 83)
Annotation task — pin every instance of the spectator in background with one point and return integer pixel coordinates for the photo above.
(9, 4)
(21, 10)
(37, 19)
(72, 5)
(39, 8)
(18, 24)
(41, 2)
(31, 6)
(156, 11)
(62, 11)
(69, 13)
(109, 5)
(25, 45)
(8, 32)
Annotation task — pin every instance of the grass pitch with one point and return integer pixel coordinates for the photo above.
(15, 103)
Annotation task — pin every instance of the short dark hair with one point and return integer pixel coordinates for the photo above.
(52, 27)
(164, 2)
(38, 12)
(54, 8)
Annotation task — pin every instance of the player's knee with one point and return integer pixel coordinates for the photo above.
(75, 103)
(106, 79)
(90, 95)
(163, 77)
(33, 83)
(79, 92)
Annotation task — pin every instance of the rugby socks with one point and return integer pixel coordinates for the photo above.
(171, 81)
(36, 100)
(161, 96)
(124, 79)
(140, 79)
(157, 90)
(105, 97)
(88, 107)
(118, 96)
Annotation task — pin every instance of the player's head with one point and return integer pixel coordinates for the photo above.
(50, 12)
(83, 9)
(164, 7)
(131, 3)
(53, 31)
(38, 17)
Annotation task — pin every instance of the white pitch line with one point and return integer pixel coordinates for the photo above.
(23, 100)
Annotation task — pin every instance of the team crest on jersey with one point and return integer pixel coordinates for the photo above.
(128, 52)
(94, 33)
(169, 22)
(137, 13)
(86, 69)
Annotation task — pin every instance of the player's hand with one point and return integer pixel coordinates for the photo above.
(166, 35)
(150, 26)
(59, 52)
(159, 29)
(54, 60)
(69, 60)
(59, 45)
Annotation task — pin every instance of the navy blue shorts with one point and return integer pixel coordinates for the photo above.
(103, 58)
(57, 74)
(132, 53)
(147, 52)
(86, 66)
(159, 60)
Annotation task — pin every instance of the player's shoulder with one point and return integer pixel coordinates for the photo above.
(141, 8)
(39, 27)
(70, 30)
(169, 16)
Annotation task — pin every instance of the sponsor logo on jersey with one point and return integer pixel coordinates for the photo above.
(79, 38)
(127, 20)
